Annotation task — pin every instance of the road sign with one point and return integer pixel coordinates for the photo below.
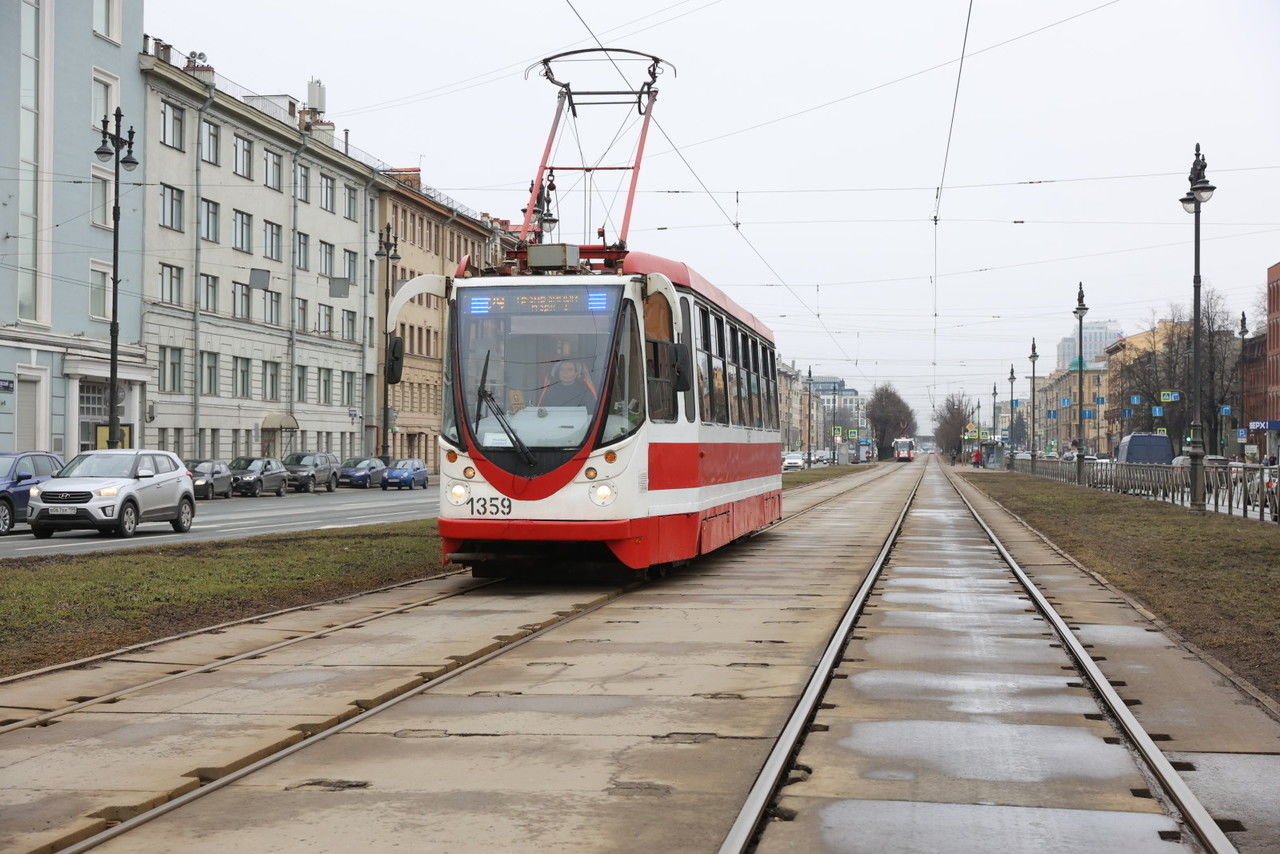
(1135, 399)
(1162, 431)
(1100, 401)
(1170, 396)
(970, 427)
(1015, 403)
(1004, 434)
(1087, 415)
(1157, 411)
(1225, 410)
(984, 435)
(1066, 401)
(1126, 413)
(837, 431)
(1051, 413)
(1242, 434)
(853, 432)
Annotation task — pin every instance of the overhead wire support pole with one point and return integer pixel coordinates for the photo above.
(650, 95)
(536, 189)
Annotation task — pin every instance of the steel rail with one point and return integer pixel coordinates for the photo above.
(1193, 812)
(240, 773)
(756, 806)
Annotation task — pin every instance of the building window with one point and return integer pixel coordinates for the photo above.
(325, 320)
(368, 341)
(300, 314)
(302, 182)
(348, 325)
(348, 388)
(240, 377)
(100, 197)
(349, 262)
(243, 153)
(103, 99)
(242, 231)
(170, 284)
(210, 143)
(272, 164)
(171, 207)
(209, 373)
(300, 383)
(302, 251)
(270, 380)
(210, 228)
(325, 379)
(328, 192)
(351, 202)
(240, 306)
(326, 258)
(208, 292)
(106, 19)
(99, 282)
(271, 307)
(271, 240)
(172, 118)
(171, 369)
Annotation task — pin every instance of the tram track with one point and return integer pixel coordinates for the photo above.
(784, 764)
(236, 770)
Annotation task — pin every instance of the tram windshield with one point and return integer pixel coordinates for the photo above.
(533, 363)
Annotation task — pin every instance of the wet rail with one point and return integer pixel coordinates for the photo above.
(864, 819)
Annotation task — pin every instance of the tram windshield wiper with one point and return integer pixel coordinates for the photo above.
(485, 397)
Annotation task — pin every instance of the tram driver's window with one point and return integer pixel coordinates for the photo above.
(659, 352)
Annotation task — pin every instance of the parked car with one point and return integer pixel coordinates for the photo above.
(18, 473)
(1022, 455)
(406, 472)
(253, 476)
(210, 478)
(311, 469)
(114, 491)
(792, 462)
(362, 471)
(1145, 448)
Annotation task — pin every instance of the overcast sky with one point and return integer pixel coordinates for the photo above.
(821, 127)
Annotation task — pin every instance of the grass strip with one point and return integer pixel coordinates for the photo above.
(804, 477)
(1212, 577)
(56, 608)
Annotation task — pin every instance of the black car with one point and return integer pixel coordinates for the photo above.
(311, 469)
(253, 476)
(210, 478)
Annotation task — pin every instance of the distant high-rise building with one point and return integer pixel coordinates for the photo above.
(1097, 337)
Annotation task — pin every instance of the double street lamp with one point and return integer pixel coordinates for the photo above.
(387, 244)
(1199, 193)
(1080, 311)
(113, 142)
(1009, 447)
(1033, 357)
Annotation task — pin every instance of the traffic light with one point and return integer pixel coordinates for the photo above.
(395, 359)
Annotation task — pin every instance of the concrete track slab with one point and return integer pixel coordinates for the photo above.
(64, 687)
(795, 623)
(209, 647)
(970, 652)
(1228, 785)
(1018, 624)
(914, 827)
(49, 819)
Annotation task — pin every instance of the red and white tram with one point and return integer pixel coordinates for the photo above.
(631, 412)
(904, 449)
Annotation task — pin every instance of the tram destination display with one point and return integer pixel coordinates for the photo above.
(547, 300)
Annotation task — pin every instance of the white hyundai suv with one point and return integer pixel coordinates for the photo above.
(114, 491)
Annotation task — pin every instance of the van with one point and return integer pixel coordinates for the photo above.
(1145, 448)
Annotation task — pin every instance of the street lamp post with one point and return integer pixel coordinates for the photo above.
(995, 427)
(1080, 311)
(1034, 355)
(1009, 448)
(387, 243)
(808, 433)
(1240, 419)
(112, 143)
(1201, 191)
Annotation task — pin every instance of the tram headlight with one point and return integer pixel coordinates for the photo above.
(603, 493)
(468, 472)
(458, 493)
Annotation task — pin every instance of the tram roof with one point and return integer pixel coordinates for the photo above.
(682, 274)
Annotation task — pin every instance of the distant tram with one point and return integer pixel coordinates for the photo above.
(904, 449)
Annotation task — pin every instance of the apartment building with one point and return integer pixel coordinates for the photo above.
(258, 284)
(69, 64)
(1058, 418)
(433, 235)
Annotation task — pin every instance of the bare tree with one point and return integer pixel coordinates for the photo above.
(890, 417)
(950, 418)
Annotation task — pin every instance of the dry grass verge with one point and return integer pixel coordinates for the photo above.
(1214, 578)
(806, 476)
(55, 609)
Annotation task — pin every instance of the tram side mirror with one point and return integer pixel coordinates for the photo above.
(682, 360)
(395, 359)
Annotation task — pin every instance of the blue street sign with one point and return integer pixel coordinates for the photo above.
(1087, 414)
(1052, 413)
(1242, 435)
(1066, 401)
(1126, 413)
(1100, 400)
(1016, 404)
(1135, 399)
(1225, 410)
(1170, 396)
(1157, 411)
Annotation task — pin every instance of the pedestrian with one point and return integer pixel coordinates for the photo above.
(977, 458)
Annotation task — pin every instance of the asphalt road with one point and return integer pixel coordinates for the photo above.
(233, 518)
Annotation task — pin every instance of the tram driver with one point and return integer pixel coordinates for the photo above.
(570, 387)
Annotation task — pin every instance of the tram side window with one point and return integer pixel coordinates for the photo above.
(686, 335)
(704, 363)
(757, 408)
(659, 354)
(719, 398)
(731, 377)
(771, 376)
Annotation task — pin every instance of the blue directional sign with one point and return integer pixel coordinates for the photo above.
(1135, 399)
(1126, 413)
(1100, 401)
(1066, 401)
(1015, 403)
(1157, 411)
(1087, 414)
(1051, 413)
(1225, 410)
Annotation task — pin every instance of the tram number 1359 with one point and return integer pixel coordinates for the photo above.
(489, 506)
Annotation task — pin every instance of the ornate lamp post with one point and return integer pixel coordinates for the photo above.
(1240, 419)
(387, 244)
(112, 143)
(1009, 449)
(1080, 311)
(1201, 191)
(1033, 357)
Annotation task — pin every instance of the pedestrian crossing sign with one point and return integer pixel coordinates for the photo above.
(837, 431)
(1162, 431)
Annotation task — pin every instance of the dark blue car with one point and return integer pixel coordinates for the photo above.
(18, 473)
(363, 472)
(406, 473)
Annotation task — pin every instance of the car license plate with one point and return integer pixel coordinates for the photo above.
(62, 511)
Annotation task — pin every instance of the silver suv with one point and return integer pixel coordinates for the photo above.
(114, 491)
